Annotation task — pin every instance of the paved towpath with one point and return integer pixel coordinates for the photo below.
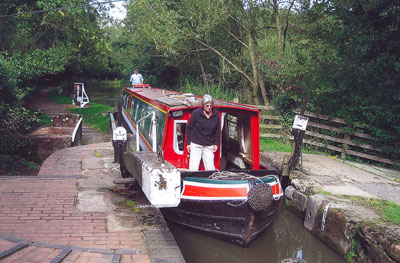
(341, 177)
(72, 212)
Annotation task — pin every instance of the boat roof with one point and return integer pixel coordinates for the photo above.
(173, 100)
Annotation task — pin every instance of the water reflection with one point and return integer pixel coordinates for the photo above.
(286, 241)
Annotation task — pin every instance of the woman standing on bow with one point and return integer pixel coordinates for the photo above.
(203, 134)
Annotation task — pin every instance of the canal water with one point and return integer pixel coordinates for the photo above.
(285, 241)
(103, 94)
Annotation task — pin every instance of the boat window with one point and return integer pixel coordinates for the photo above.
(232, 127)
(133, 109)
(160, 127)
(137, 113)
(144, 113)
(125, 99)
(179, 136)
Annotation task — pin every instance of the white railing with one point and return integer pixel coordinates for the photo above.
(153, 130)
(77, 126)
(80, 95)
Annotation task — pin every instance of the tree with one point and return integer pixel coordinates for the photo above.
(39, 39)
(227, 29)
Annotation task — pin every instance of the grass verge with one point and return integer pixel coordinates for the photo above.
(388, 211)
(274, 145)
(95, 116)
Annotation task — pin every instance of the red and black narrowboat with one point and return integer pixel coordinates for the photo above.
(236, 202)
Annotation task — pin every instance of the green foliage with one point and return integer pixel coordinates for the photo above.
(96, 116)
(44, 118)
(285, 105)
(216, 91)
(16, 120)
(355, 254)
(137, 210)
(131, 204)
(389, 211)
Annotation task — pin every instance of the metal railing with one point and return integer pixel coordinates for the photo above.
(153, 130)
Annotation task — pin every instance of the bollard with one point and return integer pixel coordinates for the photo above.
(289, 192)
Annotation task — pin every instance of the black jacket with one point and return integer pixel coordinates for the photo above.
(202, 130)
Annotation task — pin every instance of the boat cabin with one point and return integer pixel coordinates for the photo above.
(160, 117)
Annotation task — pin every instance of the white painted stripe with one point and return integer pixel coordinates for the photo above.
(127, 120)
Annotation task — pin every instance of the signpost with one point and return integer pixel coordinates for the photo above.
(299, 128)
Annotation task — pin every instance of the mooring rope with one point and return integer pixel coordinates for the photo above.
(226, 175)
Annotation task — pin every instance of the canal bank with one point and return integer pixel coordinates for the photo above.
(337, 200)
(73, 212)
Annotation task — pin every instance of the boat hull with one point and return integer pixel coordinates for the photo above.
(233, 221)
(225, 207)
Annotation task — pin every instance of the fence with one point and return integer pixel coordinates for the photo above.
(270, 123)
(328, 133)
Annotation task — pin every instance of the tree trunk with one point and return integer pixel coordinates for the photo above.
(278, 25)
(254, 68)
(203, 72)
(262, 88)
(247, 90)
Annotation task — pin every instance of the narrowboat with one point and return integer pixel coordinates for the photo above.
(235, 202)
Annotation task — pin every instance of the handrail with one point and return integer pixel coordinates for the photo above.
(76, 129)
(112, 122)
(153, 135)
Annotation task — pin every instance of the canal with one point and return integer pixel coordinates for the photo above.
(285, 241)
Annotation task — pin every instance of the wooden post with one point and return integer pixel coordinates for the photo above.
(345, 146)
(298, 139)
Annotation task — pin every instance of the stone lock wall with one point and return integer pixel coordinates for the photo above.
(47, 140)
(352, 231)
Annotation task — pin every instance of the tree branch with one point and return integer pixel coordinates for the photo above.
(235, 37)
(225, 59)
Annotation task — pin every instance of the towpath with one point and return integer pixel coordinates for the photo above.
(72, 212)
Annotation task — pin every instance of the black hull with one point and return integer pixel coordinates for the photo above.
(233, 221)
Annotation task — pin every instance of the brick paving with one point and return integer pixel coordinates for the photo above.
(41, 213)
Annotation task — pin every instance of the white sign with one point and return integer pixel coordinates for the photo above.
(119, 134)
(300, 122)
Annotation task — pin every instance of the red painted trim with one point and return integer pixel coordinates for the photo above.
(199, 191)
(255, 140)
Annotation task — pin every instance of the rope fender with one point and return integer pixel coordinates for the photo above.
(260, 197)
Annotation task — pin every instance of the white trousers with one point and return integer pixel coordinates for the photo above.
(198, 152)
